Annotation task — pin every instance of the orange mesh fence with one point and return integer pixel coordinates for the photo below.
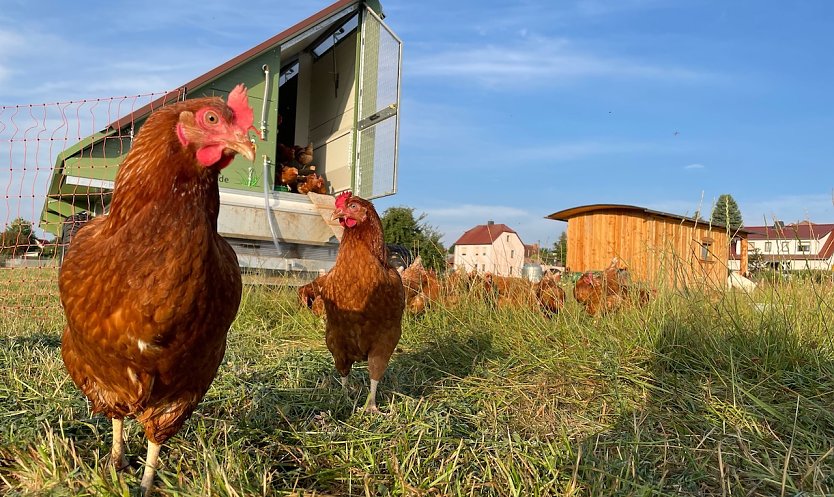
(51, 179)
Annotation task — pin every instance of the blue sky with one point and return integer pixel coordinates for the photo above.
(514, 110)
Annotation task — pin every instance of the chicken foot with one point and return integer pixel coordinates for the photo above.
(370, 403)
(117, 453)
(151, 462)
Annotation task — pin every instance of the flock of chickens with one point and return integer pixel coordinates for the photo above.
(296, 170)
(150, 290)
(600, 292)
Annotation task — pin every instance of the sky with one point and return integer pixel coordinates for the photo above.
(513, 110)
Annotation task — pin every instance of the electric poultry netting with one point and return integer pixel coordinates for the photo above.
(52, 182)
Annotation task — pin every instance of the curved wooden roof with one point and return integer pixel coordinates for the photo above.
(565, 215)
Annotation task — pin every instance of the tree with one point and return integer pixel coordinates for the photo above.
(17, 238)
(560, 248)
(726, 213)
(401, 227)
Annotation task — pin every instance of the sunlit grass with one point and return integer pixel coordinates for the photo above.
(703, 394)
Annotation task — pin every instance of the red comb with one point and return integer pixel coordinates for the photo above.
(238, 101)
(342, 198)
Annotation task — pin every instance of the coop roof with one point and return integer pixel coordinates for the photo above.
(566, 214)
(484, 234)
(335, 11)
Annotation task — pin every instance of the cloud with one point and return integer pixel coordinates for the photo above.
(568, 151)
(454, 220)
(694, 166)
(538, 61)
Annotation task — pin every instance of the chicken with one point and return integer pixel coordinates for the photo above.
(549, 294)
(285, 154)
(303, 155)
(310, 295)
(150, 290)
(363, 295)
(421, 287)
(506, 291)
(602, 292)
(289, 177)
(312, 183)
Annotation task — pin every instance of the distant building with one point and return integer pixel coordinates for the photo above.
(792, 247)
(657, 247)
(493, 248)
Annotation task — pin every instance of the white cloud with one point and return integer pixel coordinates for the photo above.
(538, 61)
(694, 166)
(454, 220)
(568, 151)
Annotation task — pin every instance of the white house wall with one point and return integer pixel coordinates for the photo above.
(504, 257)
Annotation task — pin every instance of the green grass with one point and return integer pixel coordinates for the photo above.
(698, 394)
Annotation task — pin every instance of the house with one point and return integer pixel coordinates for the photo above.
(792, 247)
(490, 247)
(657, 247)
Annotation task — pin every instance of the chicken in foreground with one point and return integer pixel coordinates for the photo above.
(363, 295)
(150, 289)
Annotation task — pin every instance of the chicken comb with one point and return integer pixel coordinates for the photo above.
(238, 101)
(342, 198)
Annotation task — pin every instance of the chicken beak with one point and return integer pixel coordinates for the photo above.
(337, 214)
(243, 146)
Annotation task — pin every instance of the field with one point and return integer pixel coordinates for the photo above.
(696, 394)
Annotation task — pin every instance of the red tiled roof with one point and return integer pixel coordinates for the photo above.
(483, 234)
(805, 230)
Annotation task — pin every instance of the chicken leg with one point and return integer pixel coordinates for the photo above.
(377, 364)
(370, 403)
(117, 453)
(151, 462)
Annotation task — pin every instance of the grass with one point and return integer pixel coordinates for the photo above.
(697, 394)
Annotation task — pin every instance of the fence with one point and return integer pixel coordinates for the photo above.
(34, 142)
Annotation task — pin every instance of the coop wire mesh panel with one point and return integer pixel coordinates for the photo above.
(379, 100)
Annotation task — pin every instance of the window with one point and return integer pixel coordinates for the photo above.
(768, 246)
(512, 254)
(483, 267)
(508, 238)
(706, 244)
(786, 247)
(334, 38)
(803, 246)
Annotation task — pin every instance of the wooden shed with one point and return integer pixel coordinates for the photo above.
(657, 247)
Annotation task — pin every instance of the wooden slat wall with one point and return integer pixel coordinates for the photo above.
(657, 250)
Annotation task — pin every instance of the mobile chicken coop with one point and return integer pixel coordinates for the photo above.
(332, 80)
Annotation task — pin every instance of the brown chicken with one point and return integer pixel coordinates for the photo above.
(312, 183)
(310, 295)
(150, 289)
(602, 292)
(303, 155)
(363, 295)
(422, 287)
(506, 291)
(289, 176)
(549, 294)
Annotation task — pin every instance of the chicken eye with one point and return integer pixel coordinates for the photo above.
(211, 118)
